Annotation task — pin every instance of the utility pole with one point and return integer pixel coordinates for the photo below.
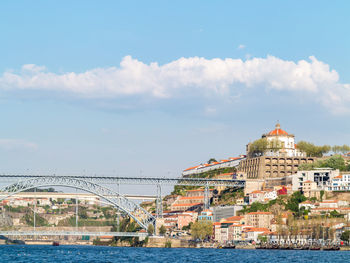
(76, 213)
(159, 201)
(34, 211)
(118, 212)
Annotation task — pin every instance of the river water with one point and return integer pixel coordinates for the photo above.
(87, 254)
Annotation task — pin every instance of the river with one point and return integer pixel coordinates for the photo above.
(93, 254)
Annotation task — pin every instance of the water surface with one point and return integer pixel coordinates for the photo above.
(89, 254)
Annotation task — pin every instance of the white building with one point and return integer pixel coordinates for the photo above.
(230, 162)
(340, 183)
(321, 176)
(262, 196)
(308, 205)
(281, 139)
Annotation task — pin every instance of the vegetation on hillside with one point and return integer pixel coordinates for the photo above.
(229, 196)
(181, 190)
(28, 219)
(335, 162)
(202, 229)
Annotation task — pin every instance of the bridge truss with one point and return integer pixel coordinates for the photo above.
(156, 181)
(139, 214)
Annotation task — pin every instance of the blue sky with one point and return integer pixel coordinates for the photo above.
(152, 87)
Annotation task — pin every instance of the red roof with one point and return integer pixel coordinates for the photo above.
(256, 229)
(259, 213)
(191, 197)
(234, 218)
(278, 131)
(189, 204)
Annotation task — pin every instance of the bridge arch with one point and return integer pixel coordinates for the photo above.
(139, 214)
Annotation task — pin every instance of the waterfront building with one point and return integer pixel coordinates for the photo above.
(259, 219)
(252, 233)
(217, 231)
(206, 215)
(235, 232)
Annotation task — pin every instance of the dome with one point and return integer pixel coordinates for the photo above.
(278, 131)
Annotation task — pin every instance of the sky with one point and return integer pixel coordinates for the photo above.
(149, 88)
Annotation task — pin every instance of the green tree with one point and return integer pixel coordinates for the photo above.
(335, 214)
(258, 147)
(294, 201)
(188, 227)
(202, 229)
(345, 235)
(150, 229)
(212, 160)
(335, 162)
(82, 213)
(341, 149)
(312, 150)
(162, 230)
(263, 239)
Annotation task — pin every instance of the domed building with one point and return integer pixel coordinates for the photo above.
(285, 141)
(277, 162)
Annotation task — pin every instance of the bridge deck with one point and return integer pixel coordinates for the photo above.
(71, 233)
(139, 180)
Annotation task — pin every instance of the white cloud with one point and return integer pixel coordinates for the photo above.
(14, 144)
(241, 46)
(192, 77)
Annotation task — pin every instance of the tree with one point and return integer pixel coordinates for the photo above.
(258, 147)
(212, 160)
(294, 201)
(188, 227)
(345, 235)
(334, 162)
(150, 229)
(341, 149)
(263, 239)
(335, 214)
(312, 150)
(202, 229)
(162, 230)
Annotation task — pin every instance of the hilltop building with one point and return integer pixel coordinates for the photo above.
(229, 162)
(274, 166)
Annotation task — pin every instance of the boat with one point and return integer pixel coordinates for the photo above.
(229, 246)
(55, 244)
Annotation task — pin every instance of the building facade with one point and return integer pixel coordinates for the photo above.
(280, 163)
(322, 178)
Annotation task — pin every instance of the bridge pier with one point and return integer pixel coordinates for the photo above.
(159, 206)
(206, 197)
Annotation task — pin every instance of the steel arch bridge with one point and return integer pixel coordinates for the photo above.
(139, 214)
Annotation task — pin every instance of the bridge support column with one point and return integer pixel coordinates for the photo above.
(159, 206)
(206, 197)
(76, 213)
